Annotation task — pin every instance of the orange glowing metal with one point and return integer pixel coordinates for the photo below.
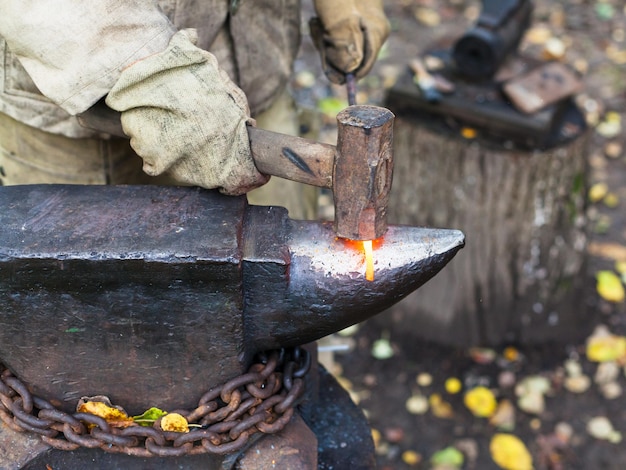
(369, 260)
(366, 247)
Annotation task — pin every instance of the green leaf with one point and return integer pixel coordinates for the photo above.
(331, 106)
(605, 11)
(149, 416)
(448, 456)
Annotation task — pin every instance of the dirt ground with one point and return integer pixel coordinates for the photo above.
(593, 33)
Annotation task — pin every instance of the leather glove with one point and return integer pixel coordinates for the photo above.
(184, 116)
(348, 34)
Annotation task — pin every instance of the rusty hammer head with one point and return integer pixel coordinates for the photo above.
(363, 171)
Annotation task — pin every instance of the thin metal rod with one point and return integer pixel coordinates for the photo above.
(351, 86)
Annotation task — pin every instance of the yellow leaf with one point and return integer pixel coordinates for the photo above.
(469, 133)
(511, 354)
(481, 402)
(606, 348)
(174, 422)
(510, 453)
(610, 286)
(411, 458)
(440, 408)
(114, 416)
(376, 437)
(598, 191)
(453, 385)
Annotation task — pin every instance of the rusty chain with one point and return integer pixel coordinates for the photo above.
(261, 400)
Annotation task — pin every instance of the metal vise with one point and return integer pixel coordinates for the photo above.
(480, 51)
(150, 295)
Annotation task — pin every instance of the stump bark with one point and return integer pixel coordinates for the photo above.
(519, 277)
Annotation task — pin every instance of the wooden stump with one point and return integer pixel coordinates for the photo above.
(519, 278)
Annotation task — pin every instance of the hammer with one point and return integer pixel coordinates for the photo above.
(358, 169)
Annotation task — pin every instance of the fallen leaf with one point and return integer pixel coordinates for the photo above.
(453, 385)
(331, 106)
(606, 372)
(611, 125)
(613, 149)
(148, 417)
(482, 355)
(611, 390)
(610, 286)
(604, 11)
(578, 384)
(481, 402)
(538, 34)
(469, 133)
(532, 402)
(506, 379)
(598, 191)
(601, 428)
(573, 368)
(174, 422)
(381, 349)
(606, 348)
(511, 354)
(424, 379)
(449, 456)
(417, 404)
(376, 437)
(611, 200)
(533, 384)
(394, 434)
(504, 417)
(613, 251)
(564, 432)
(411, 458)
(101, 406)
(439, 407)
(553, 49)
(427, 16)
(510, 453)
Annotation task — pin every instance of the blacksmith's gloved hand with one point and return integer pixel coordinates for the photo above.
(187, 118)
(348, 35)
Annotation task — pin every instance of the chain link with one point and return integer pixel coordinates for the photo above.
(261, 400)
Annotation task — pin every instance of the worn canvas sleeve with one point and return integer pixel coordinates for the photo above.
(75, 50)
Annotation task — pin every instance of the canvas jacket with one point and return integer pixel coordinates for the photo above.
(61, 56)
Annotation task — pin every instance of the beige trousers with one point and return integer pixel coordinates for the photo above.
(31, 156)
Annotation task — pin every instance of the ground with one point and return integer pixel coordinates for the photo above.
(557, 432)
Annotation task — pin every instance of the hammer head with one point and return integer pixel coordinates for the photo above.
(363, 172)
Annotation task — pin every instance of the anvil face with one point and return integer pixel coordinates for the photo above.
(153, 295)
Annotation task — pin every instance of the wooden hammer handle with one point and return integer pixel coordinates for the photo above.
(293, 158)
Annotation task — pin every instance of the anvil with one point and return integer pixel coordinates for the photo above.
(152, 295)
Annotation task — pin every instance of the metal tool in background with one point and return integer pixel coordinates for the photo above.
(501, 97)
(358, 169)
(480, 51)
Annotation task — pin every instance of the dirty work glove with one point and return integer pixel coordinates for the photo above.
(184, 116)
(348, 34)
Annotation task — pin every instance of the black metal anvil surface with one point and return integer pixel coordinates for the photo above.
(150, 294)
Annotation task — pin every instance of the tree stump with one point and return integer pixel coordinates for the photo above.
(519, 278)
